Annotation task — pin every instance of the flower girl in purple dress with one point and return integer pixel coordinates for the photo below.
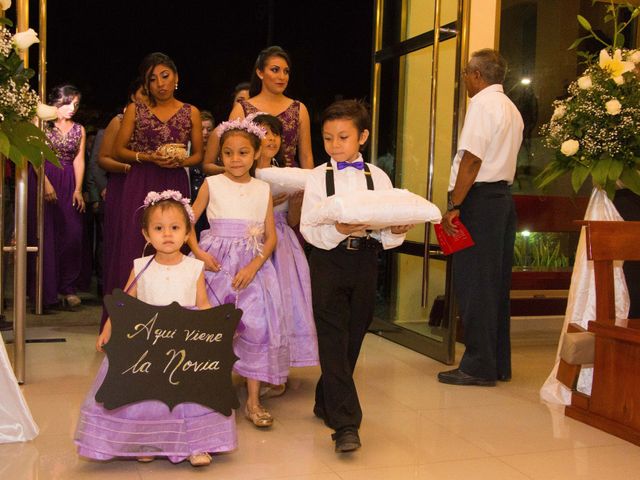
(289, 259)
(236, 250)
(149, 429)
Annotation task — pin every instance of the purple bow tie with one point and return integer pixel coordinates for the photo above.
(358, 165)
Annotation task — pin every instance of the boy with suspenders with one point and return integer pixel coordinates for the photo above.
(343, 266)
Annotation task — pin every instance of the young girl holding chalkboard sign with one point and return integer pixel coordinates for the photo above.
(149, 429)
(236, 250)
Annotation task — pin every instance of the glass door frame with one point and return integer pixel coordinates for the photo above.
(444, 350)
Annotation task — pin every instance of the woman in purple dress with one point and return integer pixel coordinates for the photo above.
(145, 131)
(117, 173)
(63, 206)
(269, 80)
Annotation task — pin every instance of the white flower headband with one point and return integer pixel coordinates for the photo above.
(245, 124)
(154, 197)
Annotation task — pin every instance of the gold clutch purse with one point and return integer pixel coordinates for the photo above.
(173, 150)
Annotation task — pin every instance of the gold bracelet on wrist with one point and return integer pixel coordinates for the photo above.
(127, 167)
(138, 157)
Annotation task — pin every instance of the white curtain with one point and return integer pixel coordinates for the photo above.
(16, 422)
(581, 303)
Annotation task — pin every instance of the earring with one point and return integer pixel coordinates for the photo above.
(176, 85)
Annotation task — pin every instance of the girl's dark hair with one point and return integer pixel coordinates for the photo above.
(273, 51)
(255, 141)
(275, 125)
(238, 88)
(146, 67)
(133, 89)
(164, 205)
(63, 95)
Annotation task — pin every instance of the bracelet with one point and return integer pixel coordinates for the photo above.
(127, 167)
(138, 157)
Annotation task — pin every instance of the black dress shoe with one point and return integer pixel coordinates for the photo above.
(347, 440)
(458, 377)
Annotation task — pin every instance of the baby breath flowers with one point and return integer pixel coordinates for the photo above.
(20, 139)
(595, 131)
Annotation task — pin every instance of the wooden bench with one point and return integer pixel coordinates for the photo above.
(614, 403)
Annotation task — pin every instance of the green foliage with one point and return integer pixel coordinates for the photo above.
(539, 250)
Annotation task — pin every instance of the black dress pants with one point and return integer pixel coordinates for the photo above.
(482, 280)
(628, 205)
(343, 286)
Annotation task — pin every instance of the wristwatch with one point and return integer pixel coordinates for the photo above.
(451, 206)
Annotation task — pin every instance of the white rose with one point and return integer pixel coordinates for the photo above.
(613, 107)
(5, 4)
(24, 40)
(46, 112)
(569, 147)
(585, 82)
(559, 111)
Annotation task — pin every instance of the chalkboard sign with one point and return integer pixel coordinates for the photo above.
(169, 353)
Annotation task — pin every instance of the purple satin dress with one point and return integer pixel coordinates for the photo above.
(63, 225)
(290, 119)
(292, 268)
(261, 344)
(149, 134)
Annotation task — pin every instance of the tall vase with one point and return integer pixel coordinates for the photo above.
(581, 302)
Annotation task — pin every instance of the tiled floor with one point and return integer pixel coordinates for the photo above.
(414, 427)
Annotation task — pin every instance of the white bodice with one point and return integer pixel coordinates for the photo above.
(240, 201)
(163, 284)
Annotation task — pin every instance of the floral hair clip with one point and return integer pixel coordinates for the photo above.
(245, 124)
(154, 197)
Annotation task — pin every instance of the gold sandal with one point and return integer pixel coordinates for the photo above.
(270, 391)
(261, 418)
(200, 459)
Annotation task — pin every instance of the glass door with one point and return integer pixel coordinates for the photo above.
(416, 100)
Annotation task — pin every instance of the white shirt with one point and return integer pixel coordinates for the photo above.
(492, 132)
(346, 180)
(163, 284)
(234, 200)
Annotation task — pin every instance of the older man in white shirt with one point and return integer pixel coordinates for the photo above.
(479, 194)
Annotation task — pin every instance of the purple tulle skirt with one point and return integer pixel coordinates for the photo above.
(261, 343)
(149, 428)
(295, 286)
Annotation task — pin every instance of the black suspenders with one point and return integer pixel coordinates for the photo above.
(330, 182)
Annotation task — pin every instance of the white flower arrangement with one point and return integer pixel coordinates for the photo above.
(594, 131)
(20, 139)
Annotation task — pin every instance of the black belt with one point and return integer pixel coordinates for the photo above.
(486, 184)
(359, 243)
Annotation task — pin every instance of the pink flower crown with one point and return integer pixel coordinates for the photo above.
(154, 197)
(245, 124)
